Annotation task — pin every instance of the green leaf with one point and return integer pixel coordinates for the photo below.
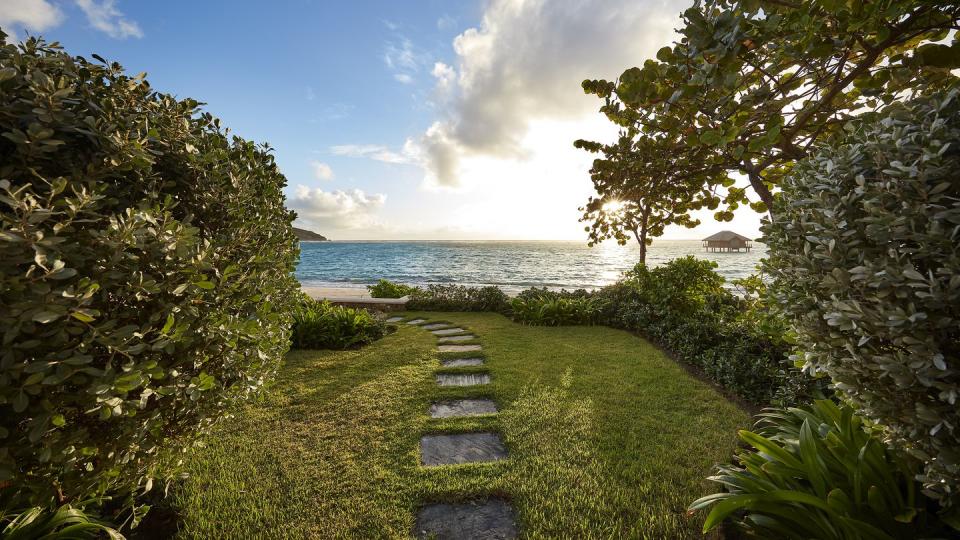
(204, 284)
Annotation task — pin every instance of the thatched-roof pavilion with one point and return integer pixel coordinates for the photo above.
(726, 241)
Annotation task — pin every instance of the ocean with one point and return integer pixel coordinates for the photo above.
(510, 265)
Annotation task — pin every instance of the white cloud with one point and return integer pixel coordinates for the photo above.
(377, 152)
(337, 210)
(446, 22)
(404, 60)
(104, 16)
(321, 171)
(310, 94)
(525, 63)
(32, 15)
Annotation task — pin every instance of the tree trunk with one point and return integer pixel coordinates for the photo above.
(641, 235)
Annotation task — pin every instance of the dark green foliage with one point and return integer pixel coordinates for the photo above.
(866, 257)
(388, 289)
(64, 522)
(459, 298)
(320, 325)
(543, 307)
(145, 276)
(818, 472)
(684, 307)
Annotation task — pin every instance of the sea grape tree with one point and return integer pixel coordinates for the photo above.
(751, 86)
(638, 197)
(145, 274)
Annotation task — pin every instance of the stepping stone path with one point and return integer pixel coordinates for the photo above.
(462, 379)
(487, 519)
(454, 339)
(461, 448)
(435, 326)
(490, 519)
(395, 319)
(462, 362)
(447, 331)
(462, 407)
(459, 348)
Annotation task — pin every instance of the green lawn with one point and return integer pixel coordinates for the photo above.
(607, 438)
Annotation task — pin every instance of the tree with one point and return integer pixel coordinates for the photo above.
(752, 85)
(638, 196)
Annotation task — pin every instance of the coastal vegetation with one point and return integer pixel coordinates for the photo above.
(145, 285)
(732, 338)
(147, 293)
(607, 440)
(321, 325)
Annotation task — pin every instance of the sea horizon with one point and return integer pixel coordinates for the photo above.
(512, 265)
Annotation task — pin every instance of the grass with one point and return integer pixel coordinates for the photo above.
(607, 438)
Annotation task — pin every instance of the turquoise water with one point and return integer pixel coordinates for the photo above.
(513, 265)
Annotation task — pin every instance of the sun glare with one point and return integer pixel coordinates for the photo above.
(613, 207)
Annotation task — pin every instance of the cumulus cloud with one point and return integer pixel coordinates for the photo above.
(32, 15)
(332, 210)
(321, 171)
(105, 16)
(377, 152)
(525, 62)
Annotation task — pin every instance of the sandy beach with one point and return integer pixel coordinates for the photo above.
(337, 292)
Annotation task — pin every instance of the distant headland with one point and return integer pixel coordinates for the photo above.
(308, 236)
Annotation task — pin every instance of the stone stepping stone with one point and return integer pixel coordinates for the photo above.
(459, 348)
(461, 448)
(492, 519)
(417, 321)
(395, 319)
(455, 339)
(435, 326)
(462, 407)
(462, 379)
(447, 331)
(462, 362)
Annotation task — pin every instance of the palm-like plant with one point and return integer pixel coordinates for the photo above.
(64, 522)
(819, 472)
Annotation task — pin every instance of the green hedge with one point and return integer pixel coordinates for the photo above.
(865, 251)
(146, 277)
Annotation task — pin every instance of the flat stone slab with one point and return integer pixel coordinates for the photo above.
(417, 321)
(492, 519)
(462, 362)
(462, 407)
(459, 348)
(461, 448)
(395, 319)
(455, 339)
(462, 379)
(447, 331)
(435, 326)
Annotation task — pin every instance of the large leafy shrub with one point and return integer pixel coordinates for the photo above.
(320, 325)
(819, 472)
(865, 252)
(145, 276)
(459, 298)
(388, 289)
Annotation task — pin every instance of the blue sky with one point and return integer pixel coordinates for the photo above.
(426, 119)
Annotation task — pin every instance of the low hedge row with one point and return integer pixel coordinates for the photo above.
(682, 306)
